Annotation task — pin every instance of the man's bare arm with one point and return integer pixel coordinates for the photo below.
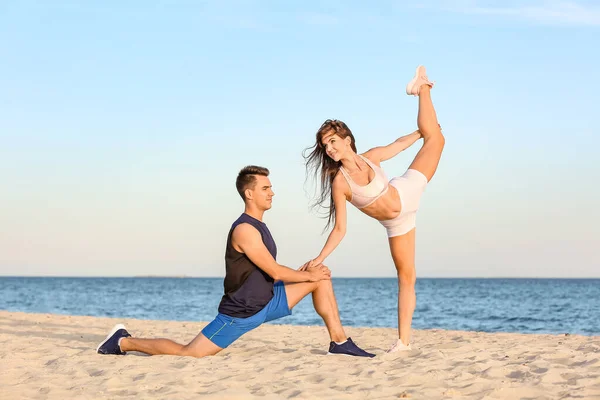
(248, 239)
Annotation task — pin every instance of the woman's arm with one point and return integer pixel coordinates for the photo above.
(338, 190)
(383, 153)
(339, 230)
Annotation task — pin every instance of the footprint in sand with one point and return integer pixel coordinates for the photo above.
(180, 365)
(539, 370)
(138, 377)
(96, 372)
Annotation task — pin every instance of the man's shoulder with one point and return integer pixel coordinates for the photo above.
(244, 231)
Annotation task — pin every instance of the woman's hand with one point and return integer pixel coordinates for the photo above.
(310, 264)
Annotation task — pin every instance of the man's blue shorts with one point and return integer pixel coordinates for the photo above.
(224, 330)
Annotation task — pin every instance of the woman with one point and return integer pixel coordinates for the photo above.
(348, 176)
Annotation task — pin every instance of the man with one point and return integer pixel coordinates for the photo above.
(257, 288)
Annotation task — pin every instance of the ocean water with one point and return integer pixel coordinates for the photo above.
(489, 305)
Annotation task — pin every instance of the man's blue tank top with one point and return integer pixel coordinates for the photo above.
(248, 289)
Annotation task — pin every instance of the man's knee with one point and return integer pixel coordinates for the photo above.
(189, 351)
(325, 285)
(199, 347)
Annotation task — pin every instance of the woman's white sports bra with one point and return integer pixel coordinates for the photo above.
(363, 196)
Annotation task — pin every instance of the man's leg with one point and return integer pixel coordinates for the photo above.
(326, 306)
(120, 341)
(323, 301)
(199, 347)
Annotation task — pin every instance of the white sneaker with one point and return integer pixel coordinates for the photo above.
(399, 346)
(417, 81)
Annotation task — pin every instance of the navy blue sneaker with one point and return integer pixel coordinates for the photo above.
(110, 345)
(348, 348)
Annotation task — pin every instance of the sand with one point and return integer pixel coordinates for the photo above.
(45, 356)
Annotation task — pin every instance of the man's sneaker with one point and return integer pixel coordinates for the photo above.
(399, 346)
(417, 81)
(110, 345)
(348, 348)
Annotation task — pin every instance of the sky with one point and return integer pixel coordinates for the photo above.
(123, 126)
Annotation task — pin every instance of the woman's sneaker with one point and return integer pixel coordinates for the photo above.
(348, 348)
(417, 81)
(399, 346)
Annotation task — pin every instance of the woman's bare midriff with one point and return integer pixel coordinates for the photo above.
(386, 207)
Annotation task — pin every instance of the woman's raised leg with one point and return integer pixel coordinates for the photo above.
(428, 158)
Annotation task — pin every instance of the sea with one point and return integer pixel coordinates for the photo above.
(555, 306)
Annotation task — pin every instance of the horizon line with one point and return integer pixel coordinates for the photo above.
(335, 277)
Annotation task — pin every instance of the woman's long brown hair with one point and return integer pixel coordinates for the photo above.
(323, 168)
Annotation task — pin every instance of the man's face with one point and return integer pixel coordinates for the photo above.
(262, 194)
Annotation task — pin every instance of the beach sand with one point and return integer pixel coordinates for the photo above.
(44, 356)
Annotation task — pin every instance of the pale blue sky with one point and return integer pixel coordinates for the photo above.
(122, 128)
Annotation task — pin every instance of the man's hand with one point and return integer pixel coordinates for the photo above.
(319, 273)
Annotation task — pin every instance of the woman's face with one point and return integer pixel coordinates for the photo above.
(335, 146)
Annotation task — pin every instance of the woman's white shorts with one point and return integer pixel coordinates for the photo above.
(410, 187)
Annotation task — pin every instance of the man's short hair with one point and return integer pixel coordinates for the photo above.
(246, 179)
